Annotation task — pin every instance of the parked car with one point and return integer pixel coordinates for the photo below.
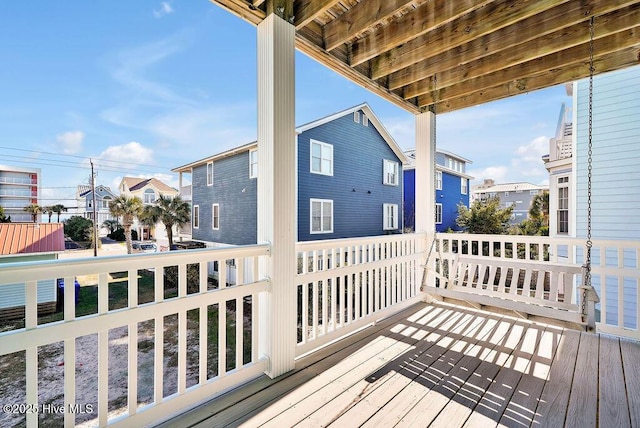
(60, 290)
(144, 247)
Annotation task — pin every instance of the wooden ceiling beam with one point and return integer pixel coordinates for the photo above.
(306, 11)
(359, 18)
(460, 32)
(579, 56)
(563, 39)
(530, 29)
(242, 10)
(423, 19)
(617, 60)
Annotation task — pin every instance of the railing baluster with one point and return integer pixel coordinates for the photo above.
(182, 351)
(69, 381)
(31, 383)
(103, 377)
(239, 332)
(158, 360)
(222, 338)
(132, 380)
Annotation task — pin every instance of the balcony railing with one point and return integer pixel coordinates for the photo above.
(15, 180)
(189, 325)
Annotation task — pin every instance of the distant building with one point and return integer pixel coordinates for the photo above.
(148, 190)
(349, 183)
(27, 242)
(516, 195)
(104, 196)
(452, 189)
(19, 187)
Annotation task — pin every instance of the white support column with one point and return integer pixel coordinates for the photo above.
(425, 185)
(277, 209)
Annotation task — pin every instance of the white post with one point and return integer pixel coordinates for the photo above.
(425, 185)
(277, 213)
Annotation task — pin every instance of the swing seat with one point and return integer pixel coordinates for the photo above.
(524, 287)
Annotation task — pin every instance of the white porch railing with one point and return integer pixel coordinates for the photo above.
(615, 268)
(346, 284)
(174, 347)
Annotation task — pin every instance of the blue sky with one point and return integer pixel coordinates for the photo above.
(145, 86)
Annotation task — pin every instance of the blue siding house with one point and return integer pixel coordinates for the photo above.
(349, 183)
(452, 189)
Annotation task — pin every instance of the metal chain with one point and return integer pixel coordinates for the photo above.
(589, 167)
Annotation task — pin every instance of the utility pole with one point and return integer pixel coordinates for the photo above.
(95, 215)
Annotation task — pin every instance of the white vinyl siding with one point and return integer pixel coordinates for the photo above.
(215, 216)
(210, 174)
(253, 163)
(196, 216)
(390, 169)
(321, 216)
(390, 216)
(438, 180)
(321, 158)
(438, 213)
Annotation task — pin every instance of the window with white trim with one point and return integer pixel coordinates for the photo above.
(463, 185)
(209, 173)
(438, 180)
(106, 201)
(365, 120)
(321, 216)
(390, 216)
(390, 172)
(563, 205)
(149, 196)
(356, 116)
(253, 163)
(196, 216)
(438, 213)
(321, 158)
(215, 216)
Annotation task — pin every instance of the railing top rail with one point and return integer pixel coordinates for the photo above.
(40, 270)
(344, 242)
(564, 240)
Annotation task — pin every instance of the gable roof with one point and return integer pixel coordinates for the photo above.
(326, 119)
(84, 190)
(26, 238)
(134, 183)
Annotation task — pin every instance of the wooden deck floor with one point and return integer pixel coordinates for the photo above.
(445, 366)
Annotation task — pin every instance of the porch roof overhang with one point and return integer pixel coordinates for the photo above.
(419, 54)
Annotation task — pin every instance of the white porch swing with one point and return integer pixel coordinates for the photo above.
(543, 289)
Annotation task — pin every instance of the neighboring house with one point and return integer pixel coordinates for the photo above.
(104, 196)
(148, 190)
(452, 189)
(26, 242)
(19, 187)
(349, 182)
(516, 195)
(615, 177)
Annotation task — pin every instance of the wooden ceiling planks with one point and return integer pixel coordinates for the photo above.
(480, 50)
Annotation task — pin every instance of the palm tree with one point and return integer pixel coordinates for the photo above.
(127, 208)
(111, 224)
(58, 208)
(170, 212)
(48, 210)
(34, 210)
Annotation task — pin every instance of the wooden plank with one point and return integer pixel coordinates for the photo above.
(456, 412)
(613, 407)
(521, 409)
(326, 396)
(516, 47)
(306, 11)
(630, 352)
(496, 398)
(583, 402)
(386, 404)
(283, 394)
(430, 405)
(552, 407)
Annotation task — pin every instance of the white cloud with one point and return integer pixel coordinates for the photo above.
(497, 173)
(126, 154)
(165, 9)
(70, 142)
